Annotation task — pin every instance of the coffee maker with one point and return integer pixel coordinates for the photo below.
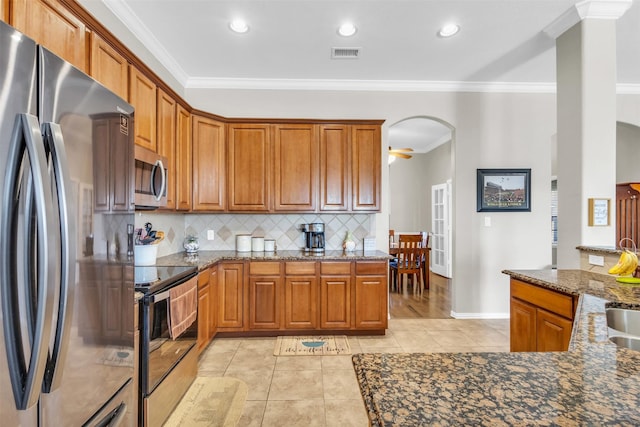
(314, 237)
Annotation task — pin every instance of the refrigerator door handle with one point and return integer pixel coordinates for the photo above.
(26, 376)
(54, 142)
(158, 194)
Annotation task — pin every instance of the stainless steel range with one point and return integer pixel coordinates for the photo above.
(168, 335)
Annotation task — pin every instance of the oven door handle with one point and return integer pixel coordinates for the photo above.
(160, 296)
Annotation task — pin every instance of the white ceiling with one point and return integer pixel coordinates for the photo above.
(501, 43)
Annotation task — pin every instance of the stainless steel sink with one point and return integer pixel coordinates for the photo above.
(627, 342)
(624, 327)
(624, 320)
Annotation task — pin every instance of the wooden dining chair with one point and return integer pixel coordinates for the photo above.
(410, 252)
(425, 258)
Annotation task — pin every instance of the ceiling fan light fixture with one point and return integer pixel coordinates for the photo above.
(449, 30)
(239, 26)
(347, 29)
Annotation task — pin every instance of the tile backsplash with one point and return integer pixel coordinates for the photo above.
(285, 229)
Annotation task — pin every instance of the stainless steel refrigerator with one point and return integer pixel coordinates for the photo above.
(66, 282)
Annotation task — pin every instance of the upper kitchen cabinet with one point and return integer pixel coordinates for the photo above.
(295, 167)
(50, 24)
(365, 170)
(109, 67)
(183, 159)
(166, 141)
(208, 164)
(249, 167)
(142, 95)
(334, 167)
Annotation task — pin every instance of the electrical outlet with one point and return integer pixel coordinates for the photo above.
(211, 235)
(596, 260)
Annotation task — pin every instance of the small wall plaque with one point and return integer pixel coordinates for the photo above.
(599, 212)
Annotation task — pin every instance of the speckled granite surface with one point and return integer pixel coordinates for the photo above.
(205, 259)
(594, 383)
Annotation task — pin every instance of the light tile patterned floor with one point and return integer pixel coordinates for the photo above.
(322, 390)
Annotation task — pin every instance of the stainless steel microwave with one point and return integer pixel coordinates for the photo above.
(151, 179)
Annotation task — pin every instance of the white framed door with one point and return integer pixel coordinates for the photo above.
(441, 237)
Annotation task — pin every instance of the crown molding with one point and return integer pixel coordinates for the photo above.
(595, 9)
(129, 18)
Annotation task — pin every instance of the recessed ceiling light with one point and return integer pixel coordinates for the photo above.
(239, 26)
(347, 29)
(449, 30)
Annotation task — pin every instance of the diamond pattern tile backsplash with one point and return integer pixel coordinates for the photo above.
(285, 229)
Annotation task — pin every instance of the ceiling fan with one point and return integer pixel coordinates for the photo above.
(400, 152)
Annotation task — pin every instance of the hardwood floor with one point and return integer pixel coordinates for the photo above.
(433, 303)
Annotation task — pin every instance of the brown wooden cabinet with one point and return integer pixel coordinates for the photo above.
(249, 167)
(541, 318)
(166, 141)
(265, 287)
(208, 164)
(213, 296)
(300, 295)
(231, 296)
(50, 24)
(365, 169)
(183, 159)
(142, 95)
(204, 310)
(371, 295)
(109, 67)
(334, 168)
(112, 166)
(335, 295)
(295, 169)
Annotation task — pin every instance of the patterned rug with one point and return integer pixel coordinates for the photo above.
(312, 346)
(210, 401)
(117, 356)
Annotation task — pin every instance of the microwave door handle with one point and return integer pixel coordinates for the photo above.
(54, 138)
(26, 379)
(163, 181)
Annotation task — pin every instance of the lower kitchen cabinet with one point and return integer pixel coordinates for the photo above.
(335, 295)
(371, 295)
(230, 296)
(204, 310)
(541, 319)
(265, 284)
(300, 295)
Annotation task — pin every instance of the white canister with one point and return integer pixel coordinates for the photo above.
(269, 245)
(257, 244)
(243, 242)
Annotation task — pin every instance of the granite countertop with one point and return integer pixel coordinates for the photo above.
(594, 383)
(205, 259)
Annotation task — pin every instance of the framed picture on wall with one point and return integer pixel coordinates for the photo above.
(504, 190)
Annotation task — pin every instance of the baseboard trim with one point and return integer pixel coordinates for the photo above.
(479, 315)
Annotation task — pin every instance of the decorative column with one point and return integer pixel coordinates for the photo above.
(586, 110)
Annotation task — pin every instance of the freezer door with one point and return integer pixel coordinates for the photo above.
(92, 349)
(17, 96)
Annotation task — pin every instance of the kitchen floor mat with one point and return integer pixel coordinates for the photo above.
(312, 346)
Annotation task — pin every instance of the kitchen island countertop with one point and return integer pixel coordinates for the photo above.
(594, 383)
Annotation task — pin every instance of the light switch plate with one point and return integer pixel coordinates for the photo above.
(487, 221)
(596, 260)
(211, 235)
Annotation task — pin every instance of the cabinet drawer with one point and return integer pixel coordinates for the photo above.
(370, 267)
(203, 279)
(335, 268)
(264, 268)
(299, 268)
(556, 302)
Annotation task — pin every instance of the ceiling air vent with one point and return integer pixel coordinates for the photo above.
(345, 52)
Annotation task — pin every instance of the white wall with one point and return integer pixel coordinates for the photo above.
(627, 149)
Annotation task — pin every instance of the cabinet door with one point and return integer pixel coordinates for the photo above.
(166, 140)
(365, 170)
(249, 167)
(208, 164)
(142, 95)
(522, 326)
(183, 159)
(122, 172)
(213, 291)
(129, 320)
(101, 165)
(109, 67)
(230, 295)
(112, 314)
(371, 302)
(295, 167)
(335, 302)
(264, 302)
(204, 310)
(334, 168)
(553, 331)
(50, 24)
(301, 302)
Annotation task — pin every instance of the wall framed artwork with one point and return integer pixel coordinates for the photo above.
(599, 212)
(504, 190)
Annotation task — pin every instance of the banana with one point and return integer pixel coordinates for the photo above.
(627, 264)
